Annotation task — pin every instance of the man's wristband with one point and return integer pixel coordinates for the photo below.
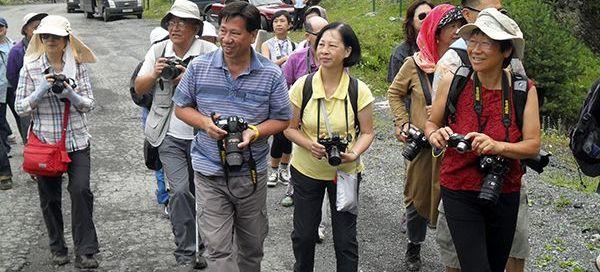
(253, 127)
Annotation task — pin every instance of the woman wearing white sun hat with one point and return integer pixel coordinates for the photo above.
(54, 50)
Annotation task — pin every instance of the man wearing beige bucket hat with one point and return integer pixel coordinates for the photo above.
(481, 211)
(15, 63)
(163, 67)
(53, 50)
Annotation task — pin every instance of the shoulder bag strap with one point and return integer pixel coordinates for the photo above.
(63, 136)
(425, 84)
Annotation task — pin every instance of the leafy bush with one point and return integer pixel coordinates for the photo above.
(560, 64)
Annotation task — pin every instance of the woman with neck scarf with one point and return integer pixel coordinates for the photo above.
(413, 83)
(54, 51)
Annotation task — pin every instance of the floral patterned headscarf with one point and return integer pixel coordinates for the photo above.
(428, 56)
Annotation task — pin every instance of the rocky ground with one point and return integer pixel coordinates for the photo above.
(565, 223)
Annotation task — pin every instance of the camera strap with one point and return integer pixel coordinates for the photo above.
(506, 107)
(251, 166)
(321, 108)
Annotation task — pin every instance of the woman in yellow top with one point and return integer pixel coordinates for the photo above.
(311, 173)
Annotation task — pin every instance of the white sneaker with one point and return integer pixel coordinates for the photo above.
(273, 177)
(284, 175)
(321, 234)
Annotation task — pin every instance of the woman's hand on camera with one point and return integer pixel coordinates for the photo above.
(439, 137)
(317, 150)
(349, 156)
(484, 144)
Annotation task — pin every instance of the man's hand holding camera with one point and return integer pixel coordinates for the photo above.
(164, 68)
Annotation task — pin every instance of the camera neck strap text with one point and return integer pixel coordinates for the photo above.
(251, 166)
(506, 106)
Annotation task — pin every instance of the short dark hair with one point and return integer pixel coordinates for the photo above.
(348, 37)
(284, 13)
(505, 45)
(410, 33)
(248, 12)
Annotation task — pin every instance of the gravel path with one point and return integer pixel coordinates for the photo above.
(135, 237)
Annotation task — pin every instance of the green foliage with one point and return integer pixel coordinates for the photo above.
(158, 8)
(560, 64)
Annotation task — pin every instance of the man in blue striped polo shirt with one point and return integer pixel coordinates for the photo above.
(233, 81)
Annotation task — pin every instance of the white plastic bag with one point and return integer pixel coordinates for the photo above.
(347, 192)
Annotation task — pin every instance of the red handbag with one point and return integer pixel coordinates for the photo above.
(43, 159)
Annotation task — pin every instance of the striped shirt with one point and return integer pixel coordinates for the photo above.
(258, 94)
(47, 115)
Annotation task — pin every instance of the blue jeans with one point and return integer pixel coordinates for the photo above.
(162, 196)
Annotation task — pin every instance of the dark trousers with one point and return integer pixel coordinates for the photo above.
(308, 198)
(4, 127)
(281, 145)
(299, 17)
(82, 206)
(416, 225)
(4, 162)
(482, 234)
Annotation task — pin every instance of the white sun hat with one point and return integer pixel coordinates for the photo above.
(209, 30)
(60, 26)
(498, 27)
(29, 17)
(182, 9)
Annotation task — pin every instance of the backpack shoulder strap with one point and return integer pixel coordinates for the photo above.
(353, 94)
(160, 48)
(462, 54)
(307, 92)
(459, 81)
(519, 95)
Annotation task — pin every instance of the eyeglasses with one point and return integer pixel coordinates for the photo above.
(501, 10)
(180, 24)
(483, 45)
(422, 16)
(49, 36)
(311, 33)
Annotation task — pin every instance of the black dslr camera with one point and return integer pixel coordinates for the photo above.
(494, 168)
(415, 141)
(59, 83)
(171, 71)
(234, 125)
(334, 145)
(459, 142)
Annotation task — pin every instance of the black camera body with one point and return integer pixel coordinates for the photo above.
(234, 125)
(459, 142)
(334, 145)
(415, 142)
(494, 169)
(171, 71)
(59, 83)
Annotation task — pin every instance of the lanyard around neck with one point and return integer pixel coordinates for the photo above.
(506, 107)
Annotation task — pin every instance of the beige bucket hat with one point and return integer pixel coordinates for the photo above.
(29, 17)
(498, 27)
(60, 26)
(182, 9)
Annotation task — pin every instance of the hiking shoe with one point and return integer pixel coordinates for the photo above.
(273, 177)
(200, 262)
(60, 259)
(284, 175)
(412, 258)
(321, 233)
(6, 183)
(287, 201)
(86, 261)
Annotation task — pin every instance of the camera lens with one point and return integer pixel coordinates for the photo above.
(170, 72)
(234, 154)
(411, 150)
(334, 158)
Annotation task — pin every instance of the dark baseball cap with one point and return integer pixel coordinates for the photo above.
(3, 22)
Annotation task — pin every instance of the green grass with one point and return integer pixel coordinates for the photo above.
(157, 10)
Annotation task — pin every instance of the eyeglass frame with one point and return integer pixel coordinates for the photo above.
(181, 23)
(46, 36)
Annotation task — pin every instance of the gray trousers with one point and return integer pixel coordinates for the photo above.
(221, 216)
(177, 164)
(82, 206)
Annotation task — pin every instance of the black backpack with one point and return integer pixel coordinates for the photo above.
(307, 92)
(585, 136)
(145, 100)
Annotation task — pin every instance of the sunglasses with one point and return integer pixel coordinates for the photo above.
(501, 10)
(422, 16)
(50, 36)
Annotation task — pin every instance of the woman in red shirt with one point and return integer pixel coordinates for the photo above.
(481, 205)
